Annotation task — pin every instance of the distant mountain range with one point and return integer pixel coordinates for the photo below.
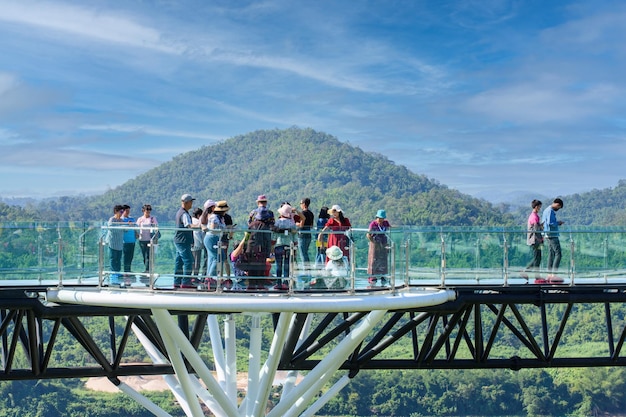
(290, 164)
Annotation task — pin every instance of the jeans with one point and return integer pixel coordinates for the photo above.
(129, 254)
(145, 252)
(116, 260)
(304, 241)
(554, 256)
(211, 242)
(115, 256)
(183, 264)
(281, 254)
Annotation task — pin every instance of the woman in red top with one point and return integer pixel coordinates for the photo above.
(336, 226)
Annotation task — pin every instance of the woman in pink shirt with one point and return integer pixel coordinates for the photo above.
(534, 239)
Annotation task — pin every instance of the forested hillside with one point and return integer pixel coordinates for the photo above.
(288, 165)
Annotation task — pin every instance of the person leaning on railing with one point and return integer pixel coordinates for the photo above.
(115, 240)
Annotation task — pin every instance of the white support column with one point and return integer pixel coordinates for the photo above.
(326, 397)
(254, 364)
(170, 380)
(169, 329)
(218, 351)
(190, 402)
(268, 372)
(313, 382)
(149, 405)
(231, 357)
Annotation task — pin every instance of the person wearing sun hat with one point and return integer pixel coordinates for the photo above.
(336, 228)
(337, 269)
(183, 240)
(261, 202)
(215, 226)
(377, 254)
(285, 237)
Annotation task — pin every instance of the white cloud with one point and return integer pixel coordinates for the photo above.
(83, 22)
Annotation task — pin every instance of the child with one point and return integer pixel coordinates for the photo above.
(337, 271)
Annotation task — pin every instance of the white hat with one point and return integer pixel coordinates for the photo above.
(209, 203)
(336, 208)
(334, 253)
(285, 210)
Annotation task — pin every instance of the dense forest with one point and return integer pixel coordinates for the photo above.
(293, 163)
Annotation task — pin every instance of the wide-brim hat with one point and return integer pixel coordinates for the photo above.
(334, 253)
(336, 207)
(285, 210)
(381, 214)
(209, 203)
(221, 206)
(262, 197)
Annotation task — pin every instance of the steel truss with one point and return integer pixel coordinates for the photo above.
(477, 330)
(474, 329)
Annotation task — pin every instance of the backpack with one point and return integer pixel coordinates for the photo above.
(257, 249)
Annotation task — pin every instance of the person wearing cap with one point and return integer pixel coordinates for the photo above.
(183, 240)
(261, 202)
(115, 240)
(214, 228)
(378, 253)
(336, 228)
(285, 238)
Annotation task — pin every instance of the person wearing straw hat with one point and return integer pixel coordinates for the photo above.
(378, 252)
(336, 227)
(214, 228)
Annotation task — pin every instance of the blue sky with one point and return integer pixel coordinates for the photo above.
(484, 96)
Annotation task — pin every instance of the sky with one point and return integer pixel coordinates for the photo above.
(489, 97)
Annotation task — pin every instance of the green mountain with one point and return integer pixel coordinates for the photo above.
(287, 165)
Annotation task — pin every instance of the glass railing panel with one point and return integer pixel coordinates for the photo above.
(74, 253)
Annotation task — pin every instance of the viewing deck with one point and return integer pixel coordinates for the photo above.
(74, 254)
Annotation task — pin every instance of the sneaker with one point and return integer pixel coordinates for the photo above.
(281, 287)
(541, 281)
(383, 281)
(372, 280)
(553, 279)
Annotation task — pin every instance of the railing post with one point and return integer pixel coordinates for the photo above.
(352, 260)
(505, 259)
(292, 264)
(60, 257)
(100, 260)
(442, 270)
(572, 261)
(407, 278)
(477, 275)
(151, 253)
(606, 258)
(392, 250)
